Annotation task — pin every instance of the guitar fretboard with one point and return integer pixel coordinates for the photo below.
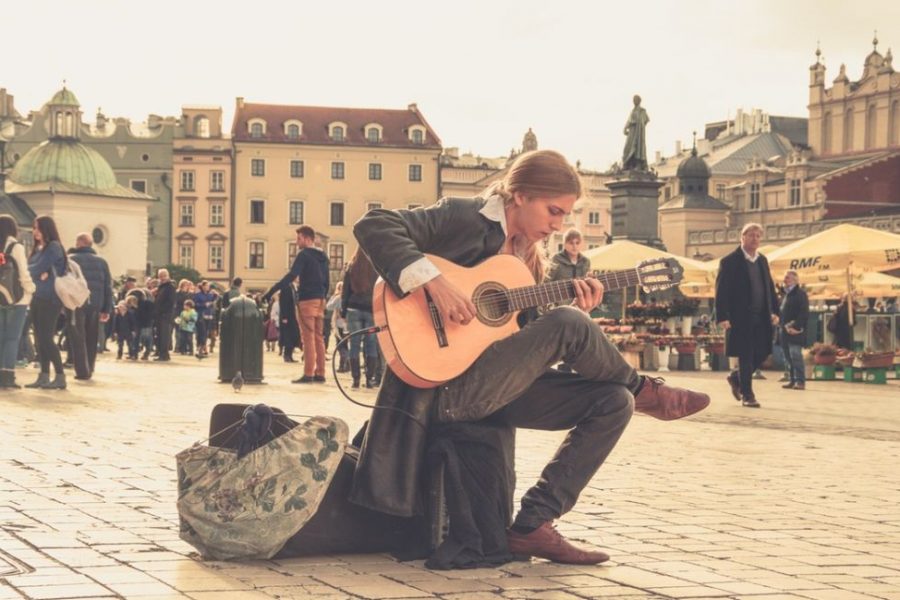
(551, 292)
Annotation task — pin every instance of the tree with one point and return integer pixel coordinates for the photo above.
(179, 272)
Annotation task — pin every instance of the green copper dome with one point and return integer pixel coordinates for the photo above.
(67, 161)
(64, 97)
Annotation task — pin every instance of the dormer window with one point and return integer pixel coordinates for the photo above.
(293, 129)
(257, 128)
(337, 133)
(417, 135)
(373, 133)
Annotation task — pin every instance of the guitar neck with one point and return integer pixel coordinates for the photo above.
(551, 292)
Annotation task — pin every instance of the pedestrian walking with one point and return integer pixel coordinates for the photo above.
(16, 290)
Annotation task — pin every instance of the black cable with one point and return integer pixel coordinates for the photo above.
(346, 338)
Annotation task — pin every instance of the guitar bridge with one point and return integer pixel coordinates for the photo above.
(437, 322)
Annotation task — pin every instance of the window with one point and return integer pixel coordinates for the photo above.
(98, 234)
(139, 185)
(216, 257)
(337, 213)
(217, 214)
(186, 255)
(258, 167)
(373, 205)
(754, 196)
(293, 131)
(336, 257)
(257, 211)
(720, 191)
(217, 181)
(418, 136)
(257, 255)
(337, 133)
(795, 192)
(375, 171)
(292, 253)
(337, 170)
(373, 135)
(295, 212)
(296, 169)
(256, 130)
(186, 214)
(415, 172)
(593, 218)
(187, 181)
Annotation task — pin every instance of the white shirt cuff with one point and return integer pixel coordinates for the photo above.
(417, 274)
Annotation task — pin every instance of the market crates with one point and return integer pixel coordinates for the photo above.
(824, 372)
(875, 375)
(853, 374)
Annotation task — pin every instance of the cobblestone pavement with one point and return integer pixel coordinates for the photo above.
(798, 499)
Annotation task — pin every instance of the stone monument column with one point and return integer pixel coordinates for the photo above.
(635, 190)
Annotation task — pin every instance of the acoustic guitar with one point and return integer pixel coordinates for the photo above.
(425, 351)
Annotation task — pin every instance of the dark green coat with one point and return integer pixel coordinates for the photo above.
(388, 476)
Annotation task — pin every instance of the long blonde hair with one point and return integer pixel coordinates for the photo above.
(540, 173)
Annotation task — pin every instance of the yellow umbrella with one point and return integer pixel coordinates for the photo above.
(698, 289)
(831, 284)
(625, 254)
(841, 247)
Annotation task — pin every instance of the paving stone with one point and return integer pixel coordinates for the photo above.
(81, 590)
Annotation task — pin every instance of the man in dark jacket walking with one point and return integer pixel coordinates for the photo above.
(83, 329)
(165, 314)
(311, 266)
(747, 309)
(794, 315)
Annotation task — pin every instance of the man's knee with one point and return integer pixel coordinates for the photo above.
(615, 401)
(570, 320)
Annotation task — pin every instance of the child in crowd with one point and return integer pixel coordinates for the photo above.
(187, 324)
(126, 329)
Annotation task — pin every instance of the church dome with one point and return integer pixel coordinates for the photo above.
(64, 161)
(693, 166)
(64, 97)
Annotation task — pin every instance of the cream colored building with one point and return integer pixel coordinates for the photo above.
(795, 179)
(202, 207)
(324, 167)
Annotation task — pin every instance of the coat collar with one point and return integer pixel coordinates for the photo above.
(494, 210)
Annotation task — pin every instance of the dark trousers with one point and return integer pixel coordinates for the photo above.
(164, 335)
(753, 354)
(44, 315)
(511, 382)
(76, 342)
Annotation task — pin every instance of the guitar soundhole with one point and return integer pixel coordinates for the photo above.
(492, 304)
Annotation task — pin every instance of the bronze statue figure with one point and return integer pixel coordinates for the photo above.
(635, 155)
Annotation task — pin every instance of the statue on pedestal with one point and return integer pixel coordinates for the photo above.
(634, 158)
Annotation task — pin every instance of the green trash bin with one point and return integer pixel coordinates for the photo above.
(241, 342)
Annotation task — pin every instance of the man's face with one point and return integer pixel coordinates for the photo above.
(790, 279)
(303, 241)
(750, 240)
(573, 246)
(537, 218)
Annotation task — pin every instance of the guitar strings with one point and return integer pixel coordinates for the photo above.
(509, 297)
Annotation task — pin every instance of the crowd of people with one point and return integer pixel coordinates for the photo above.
(140, 320)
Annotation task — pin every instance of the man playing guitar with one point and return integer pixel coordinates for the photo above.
(511, 380)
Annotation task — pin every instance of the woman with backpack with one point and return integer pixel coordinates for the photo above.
(47, 261)
(16, 289)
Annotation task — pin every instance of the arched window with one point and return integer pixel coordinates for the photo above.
(871, 121)
(337, 133)
(848, 131)
(293, 131)
(895, 123)
(256, 130)
(70, 125)
(373, 135)
(826, 133)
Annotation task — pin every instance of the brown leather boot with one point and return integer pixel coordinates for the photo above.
(668, 403)
(547, 542)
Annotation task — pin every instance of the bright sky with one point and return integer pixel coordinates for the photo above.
(481, 71)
